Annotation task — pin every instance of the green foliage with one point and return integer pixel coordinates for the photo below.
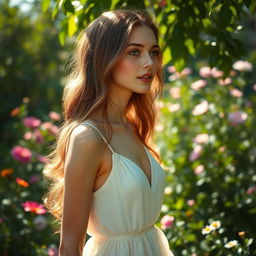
(25, 232)
(207, 141)
(31, 61)
(188, 29)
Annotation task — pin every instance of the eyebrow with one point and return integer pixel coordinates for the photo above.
(141, 45)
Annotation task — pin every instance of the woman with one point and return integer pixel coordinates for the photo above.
(108, 184)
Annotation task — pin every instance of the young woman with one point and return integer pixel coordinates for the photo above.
(105, 181)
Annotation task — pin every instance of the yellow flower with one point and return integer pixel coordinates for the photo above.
(215, 224)
(207, 230)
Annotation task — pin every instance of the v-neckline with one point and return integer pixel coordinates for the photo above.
(150, 184)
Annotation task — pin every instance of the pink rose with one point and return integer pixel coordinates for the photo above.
(51, 128)
(225, 81)
(237, 117)
(21, 154)
(175, 92)
(199, 84)
(251, 190)
(31, 206)
(31, 122)
(191, 202)
(205, 71)
(196, 153)
(54, 116)
(201, 138)
(217, 73)
(236, 93)
(201, 108)
(167, 221)
(199, 169)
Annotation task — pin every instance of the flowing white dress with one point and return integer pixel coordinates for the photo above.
(124, 211)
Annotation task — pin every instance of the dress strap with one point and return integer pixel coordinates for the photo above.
(87, 122)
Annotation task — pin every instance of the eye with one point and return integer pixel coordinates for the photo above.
(133, 52)
(155, 52)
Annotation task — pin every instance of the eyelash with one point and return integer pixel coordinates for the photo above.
(157, 52)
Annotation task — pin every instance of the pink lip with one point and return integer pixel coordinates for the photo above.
(146, 74)
(146, 80)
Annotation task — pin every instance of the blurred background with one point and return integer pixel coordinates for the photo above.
(205, 129)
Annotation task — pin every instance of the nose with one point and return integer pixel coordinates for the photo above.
(148, 62)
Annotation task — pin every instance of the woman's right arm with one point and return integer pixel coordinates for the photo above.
(82, 162)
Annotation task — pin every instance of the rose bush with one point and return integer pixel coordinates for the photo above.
(209, 153)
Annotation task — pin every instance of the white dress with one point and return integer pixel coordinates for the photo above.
(124, 211)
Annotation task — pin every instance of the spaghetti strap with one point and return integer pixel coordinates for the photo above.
(87, 122)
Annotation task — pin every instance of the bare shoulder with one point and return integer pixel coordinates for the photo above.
(86, 135)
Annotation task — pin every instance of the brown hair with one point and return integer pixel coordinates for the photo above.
(97, 50)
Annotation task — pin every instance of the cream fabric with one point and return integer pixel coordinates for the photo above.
(124, 211)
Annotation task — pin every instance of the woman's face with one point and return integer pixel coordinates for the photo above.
(140, 56)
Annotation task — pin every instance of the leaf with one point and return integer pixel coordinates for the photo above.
(72, 27)
(45, 5)
(167, 55)
(68, 6)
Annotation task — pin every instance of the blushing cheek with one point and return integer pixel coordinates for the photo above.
(127, 66)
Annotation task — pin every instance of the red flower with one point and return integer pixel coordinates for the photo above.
(21, 154)
(31, 206)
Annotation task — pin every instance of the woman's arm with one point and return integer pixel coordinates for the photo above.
(82, 162)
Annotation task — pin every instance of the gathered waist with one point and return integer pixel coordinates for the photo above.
(125, 236)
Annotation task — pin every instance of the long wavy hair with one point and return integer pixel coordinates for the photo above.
(97, 50)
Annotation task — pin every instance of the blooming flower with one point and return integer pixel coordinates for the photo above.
(205, 71)
(215, 224)
(34, 178)
(54, 116)
(199, 84)
(15, 111)
(201, 138)
(167, 221)
(207, 230)
(236, 93)
(22, 182)
(217, 73)
(31, 122)
(225, 81)
(201, 108)
(237, 117)
(199, 169)
(51, 128)
(174, 107)
(241, 65)
(231, 244)
(191, 202)
(6, 172)
(53, 250)
(31, 206)
(21, 154)
(251, 190)
(175, 92)
(196, 153)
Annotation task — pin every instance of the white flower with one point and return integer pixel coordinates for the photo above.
(215, 224)
(241, 65)
(207, 230)
(231, 244)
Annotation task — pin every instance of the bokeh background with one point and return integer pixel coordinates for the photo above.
(204, 133)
